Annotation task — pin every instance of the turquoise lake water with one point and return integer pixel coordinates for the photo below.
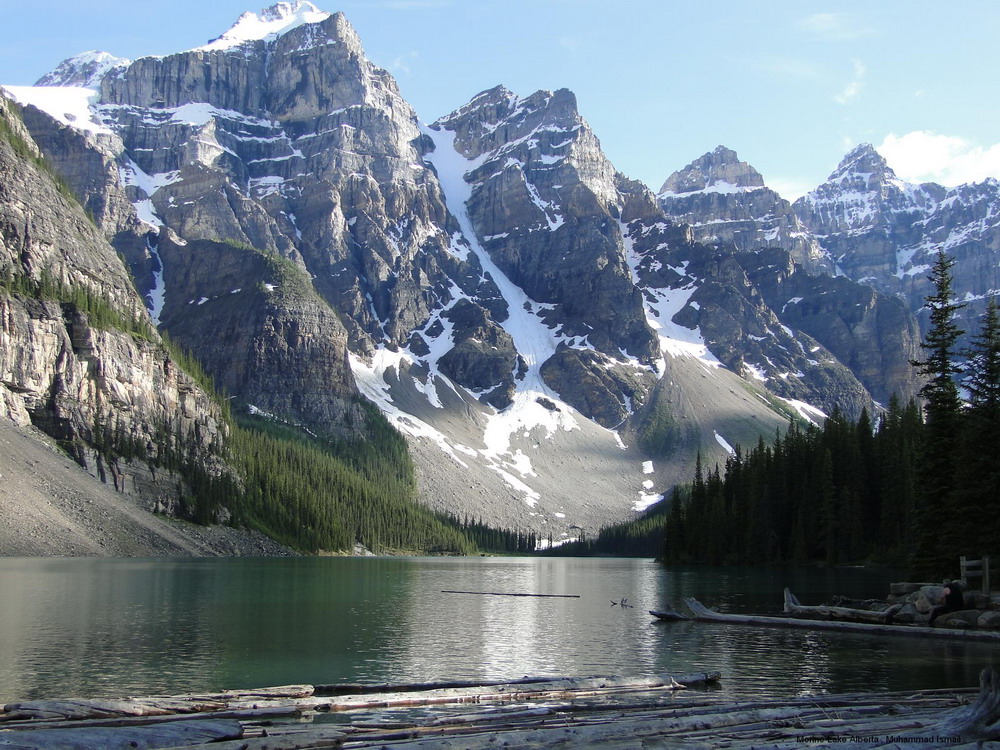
(100, 627)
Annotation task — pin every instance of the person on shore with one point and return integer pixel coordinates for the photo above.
(954, 600)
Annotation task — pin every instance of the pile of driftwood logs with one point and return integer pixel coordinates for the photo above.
(540, 713)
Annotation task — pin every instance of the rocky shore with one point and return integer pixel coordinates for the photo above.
(52, 507)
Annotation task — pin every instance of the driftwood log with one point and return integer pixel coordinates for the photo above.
(823, 612)
(704, 614)
(541, 713)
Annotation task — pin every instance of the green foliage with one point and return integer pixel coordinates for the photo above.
(942, 407)
(640, 537)
(838, 494)
(320, 495)
(490, 539)
(920, 490)
(659, 432)
(100, 313)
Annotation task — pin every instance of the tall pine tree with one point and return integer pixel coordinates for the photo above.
(977, 476)
(938, 529)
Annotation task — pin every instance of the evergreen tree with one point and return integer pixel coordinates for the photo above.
(983, 378)
(938, 530)
(977, 477)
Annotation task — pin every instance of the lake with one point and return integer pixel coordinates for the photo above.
(110, 627)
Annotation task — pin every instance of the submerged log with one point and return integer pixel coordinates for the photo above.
(839, 614)
(501, 593)
(191, 731)
(704, 614)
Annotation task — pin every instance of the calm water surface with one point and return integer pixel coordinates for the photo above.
(99, 627)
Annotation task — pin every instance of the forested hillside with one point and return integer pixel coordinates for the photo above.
(919, 488)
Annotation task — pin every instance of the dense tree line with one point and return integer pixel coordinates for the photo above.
(640, 537)
(920, 488)
(491, 539)
(326, 494)
(833, 494)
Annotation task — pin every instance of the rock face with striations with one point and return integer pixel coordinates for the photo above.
(886, 233)
(545, 205)
(532, 320)
(725, 201)
(82, 381)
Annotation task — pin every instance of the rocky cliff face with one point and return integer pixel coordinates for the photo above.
(885, 232)
(725, 202)
(533, 321)
(285, 350)
(78, 356)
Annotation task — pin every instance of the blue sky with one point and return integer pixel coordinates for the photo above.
(791, 86)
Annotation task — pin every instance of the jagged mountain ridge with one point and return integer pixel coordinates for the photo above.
(858, 343)
(521, 310)
(863, 223)
(885, 232)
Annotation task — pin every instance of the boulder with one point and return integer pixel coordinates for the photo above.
(966, 618)
(927, 597)
(988, 621)
(904, 588)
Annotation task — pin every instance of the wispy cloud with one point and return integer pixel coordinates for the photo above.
(838, 27)
(401, 63)
(925, 156)
(852, 89)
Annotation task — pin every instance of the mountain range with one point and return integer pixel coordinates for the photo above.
(557, 342)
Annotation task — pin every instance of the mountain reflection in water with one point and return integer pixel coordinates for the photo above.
(99, 627)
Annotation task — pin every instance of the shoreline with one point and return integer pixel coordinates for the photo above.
(52, 507)
(666, 710)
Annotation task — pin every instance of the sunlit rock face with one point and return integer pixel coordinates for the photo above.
(79, 358)
(557, 342)
(886, 233)
(725, 202)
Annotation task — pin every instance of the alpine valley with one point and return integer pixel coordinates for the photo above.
(556, 342)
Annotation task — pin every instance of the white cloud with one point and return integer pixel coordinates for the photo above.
(923, 156)
(401, 64)
(853, 88)
(834, 26)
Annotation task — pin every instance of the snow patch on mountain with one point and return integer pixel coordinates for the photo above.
(70, 105)
(271, 23)
(661, 305)
(86, 70)
(372, 382)
(534, 340)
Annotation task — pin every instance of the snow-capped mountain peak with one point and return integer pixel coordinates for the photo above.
(718, 171)
(270, 23)
(864, 160)
(86, 70)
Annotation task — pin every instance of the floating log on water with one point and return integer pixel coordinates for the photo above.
(599, 711)
(704, 614)
(825, 612)
(500, 593)
(176, 734)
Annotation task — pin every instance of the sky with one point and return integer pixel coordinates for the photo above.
(790, 86)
